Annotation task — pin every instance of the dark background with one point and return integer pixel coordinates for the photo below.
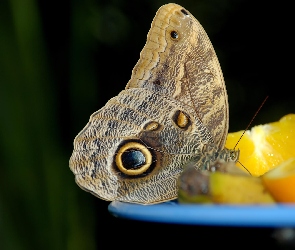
(62, 60)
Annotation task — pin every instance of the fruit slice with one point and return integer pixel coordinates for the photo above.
(280, 181)
(265, 146)
(229, 187)
(238, 189)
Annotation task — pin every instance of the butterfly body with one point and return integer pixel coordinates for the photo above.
(133, 149)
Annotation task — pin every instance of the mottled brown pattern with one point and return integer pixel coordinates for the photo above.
(174, 75)
(192, 73)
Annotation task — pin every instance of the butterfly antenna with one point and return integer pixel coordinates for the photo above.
(251, 122)
(244, 167)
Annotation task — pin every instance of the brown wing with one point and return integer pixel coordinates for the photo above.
(134, 148)
(179, 60)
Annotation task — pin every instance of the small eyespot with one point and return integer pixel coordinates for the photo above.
(174, 35)
(133, 159)
(184, 12)
(181, 119)
(152, 126)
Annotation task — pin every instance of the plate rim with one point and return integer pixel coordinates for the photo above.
(275, 215)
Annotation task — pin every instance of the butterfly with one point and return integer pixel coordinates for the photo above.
(174, 107)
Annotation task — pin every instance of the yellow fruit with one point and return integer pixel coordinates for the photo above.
(238, 189)
(265, 146)
(280, 181)
(228, 186)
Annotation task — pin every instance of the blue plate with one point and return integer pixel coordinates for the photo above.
(280, 215)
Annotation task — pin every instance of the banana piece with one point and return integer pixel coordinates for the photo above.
(227, 185)
(238, 189)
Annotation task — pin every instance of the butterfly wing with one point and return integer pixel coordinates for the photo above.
(179, 60)
(133, 149)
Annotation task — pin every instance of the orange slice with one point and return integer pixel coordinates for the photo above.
(265, 146)
(280, 181)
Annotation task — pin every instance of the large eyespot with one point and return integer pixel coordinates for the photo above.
(181, 119)
(133, 158)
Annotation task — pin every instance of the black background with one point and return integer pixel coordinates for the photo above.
(61, 61)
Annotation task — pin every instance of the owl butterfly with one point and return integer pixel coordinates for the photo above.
(174, 106)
